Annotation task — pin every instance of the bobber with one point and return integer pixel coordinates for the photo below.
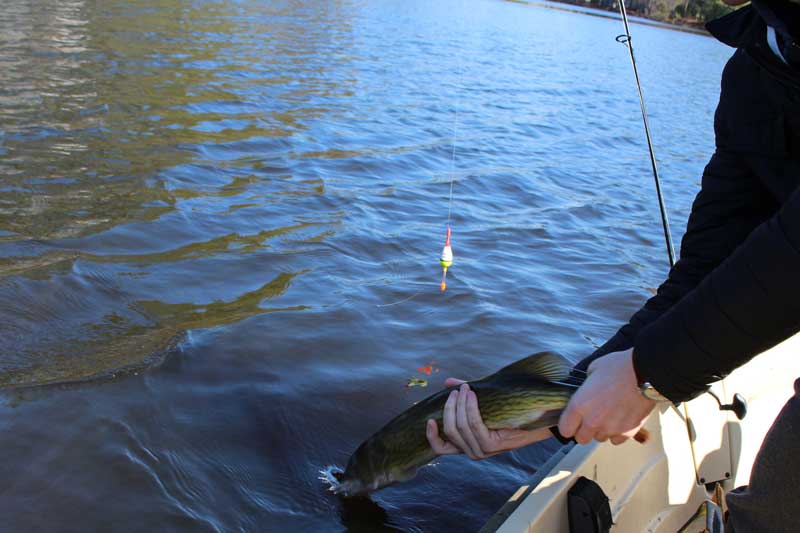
(446, 260)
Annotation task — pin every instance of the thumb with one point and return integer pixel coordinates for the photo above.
(569, 422)
(453, 382)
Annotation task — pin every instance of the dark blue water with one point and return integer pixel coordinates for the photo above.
(220, 225)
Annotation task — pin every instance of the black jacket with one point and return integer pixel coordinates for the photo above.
(735, 290)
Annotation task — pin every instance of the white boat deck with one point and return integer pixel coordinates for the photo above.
(657, 486)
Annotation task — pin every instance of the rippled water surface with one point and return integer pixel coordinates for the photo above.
(220, 224)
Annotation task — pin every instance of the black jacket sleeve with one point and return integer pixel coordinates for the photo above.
(732, 201)
(746, 305)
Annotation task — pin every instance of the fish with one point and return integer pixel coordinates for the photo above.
(527, 394)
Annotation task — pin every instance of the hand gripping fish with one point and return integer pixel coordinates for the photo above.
(528, 394)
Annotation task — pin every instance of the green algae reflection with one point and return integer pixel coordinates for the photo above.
(128, 347)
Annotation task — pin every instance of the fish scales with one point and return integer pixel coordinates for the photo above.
(528, 394)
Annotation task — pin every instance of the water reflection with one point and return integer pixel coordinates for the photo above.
(137, 138)
(187, 316)
(122, 343)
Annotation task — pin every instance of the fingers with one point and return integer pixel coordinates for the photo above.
(453, 382)
(639, 434)
(477, 426)
(438, 445)
(611, 429)
(570, 420)
(633, 433)
(450, 427)
(585, 433)
(465, 431)
(595, 426)
(608, 403)
(463, 425)
(642, 436)
(602, 429)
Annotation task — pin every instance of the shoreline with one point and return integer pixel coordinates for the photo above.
(635, 16)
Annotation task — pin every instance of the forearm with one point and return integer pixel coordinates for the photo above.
(748, 304)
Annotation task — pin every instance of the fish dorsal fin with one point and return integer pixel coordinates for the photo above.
(546, 365)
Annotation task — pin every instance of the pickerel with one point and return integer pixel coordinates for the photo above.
(528, 394)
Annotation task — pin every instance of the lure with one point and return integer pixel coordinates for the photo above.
(446, 260)
(427, 370)
(414, 381)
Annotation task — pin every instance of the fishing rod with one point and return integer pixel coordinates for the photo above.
(739, 404)
(626, 40)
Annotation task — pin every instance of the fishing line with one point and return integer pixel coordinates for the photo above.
(400, 301)
(625, 39)
(446, 259)
(455, 136)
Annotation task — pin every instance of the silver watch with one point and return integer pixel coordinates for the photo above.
(648, 391)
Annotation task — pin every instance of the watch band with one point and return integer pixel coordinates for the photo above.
(650, 392)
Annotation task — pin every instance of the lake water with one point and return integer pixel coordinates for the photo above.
(220, 224)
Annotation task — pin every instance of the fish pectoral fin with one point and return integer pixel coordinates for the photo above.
(547, 365)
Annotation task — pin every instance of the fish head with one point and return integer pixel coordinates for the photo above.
(365, 471)
(351, 487)
(359, 476)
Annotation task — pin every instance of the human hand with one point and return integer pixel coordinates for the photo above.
(466, 433)
(609, 404)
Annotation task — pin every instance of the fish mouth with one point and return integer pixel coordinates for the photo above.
(347, 487)
(339, 484)
(353, 488)
(332, 475)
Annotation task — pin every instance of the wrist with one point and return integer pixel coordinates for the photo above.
(645, 386)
